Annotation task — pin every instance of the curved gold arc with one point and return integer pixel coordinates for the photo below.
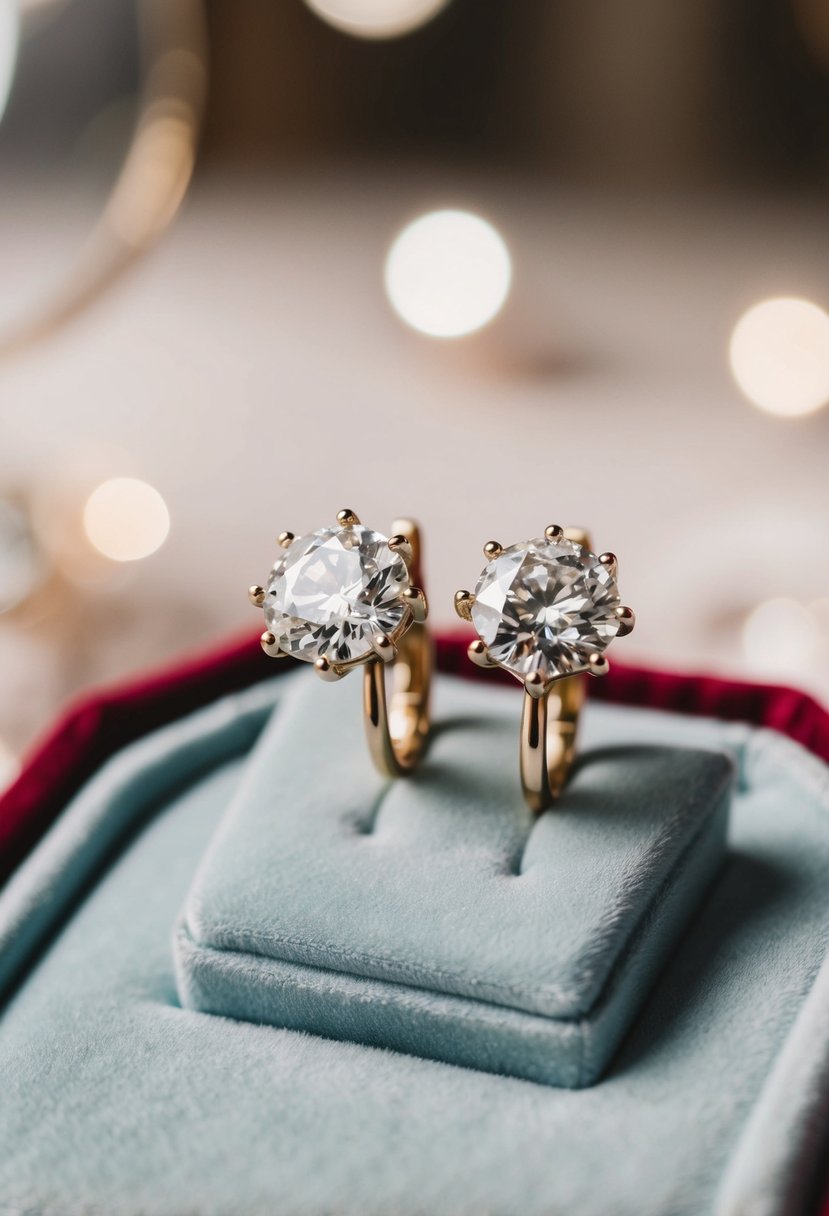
(397, 726)
(154, 175)
(549, 724)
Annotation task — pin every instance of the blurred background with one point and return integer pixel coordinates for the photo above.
(494, 265)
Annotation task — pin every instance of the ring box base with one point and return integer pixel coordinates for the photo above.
(435, 915)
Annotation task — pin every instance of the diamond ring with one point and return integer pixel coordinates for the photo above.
(345, 597)
(545, 610)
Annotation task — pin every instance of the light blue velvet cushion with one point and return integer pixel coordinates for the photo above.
(437, 915)
(114, 1099)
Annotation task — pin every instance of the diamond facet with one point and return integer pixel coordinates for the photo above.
(332, 590)
(545, 606)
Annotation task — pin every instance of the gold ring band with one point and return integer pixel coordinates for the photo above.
(397, 732)
(548, 740)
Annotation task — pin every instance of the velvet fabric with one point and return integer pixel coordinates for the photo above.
(437, 915)
(115, 1099)
(108, 719)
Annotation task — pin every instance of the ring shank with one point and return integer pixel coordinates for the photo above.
(397, 727)
(548, 740)
(548, 728)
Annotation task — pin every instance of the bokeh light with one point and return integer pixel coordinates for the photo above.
(376, 18)
(448, 273)
(780, 356)
(126, 519)
(781, 637)
(9, 38)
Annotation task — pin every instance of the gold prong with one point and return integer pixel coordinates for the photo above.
(285, 539)
(626, 618)
(535, 685)
(553, 532)
(609, 562)
(270, 646)
(256, 595)
(463, 604)
(492, 549)
(479, 654)
(598, 665)
(383, 647)
(347, 518)
(415, 598)
(326, 671)
(402, 545)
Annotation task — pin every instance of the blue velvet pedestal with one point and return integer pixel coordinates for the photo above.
(436, 915)
(115, 1099)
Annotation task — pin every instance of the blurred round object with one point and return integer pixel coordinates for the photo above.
(781, 637)
(107, 107)
(780, 356)
(21, 564)
(376, 18)
(448, 273)
(9, 38)
(126, 519)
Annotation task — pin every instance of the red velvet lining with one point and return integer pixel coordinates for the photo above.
(106, 720)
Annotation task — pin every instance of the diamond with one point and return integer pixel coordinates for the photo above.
(332, 591)
(545, 606)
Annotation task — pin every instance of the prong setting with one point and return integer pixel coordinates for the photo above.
(464, 600)
(534, 684)
(383, 647)
(626, 618)
(285, 540)
(347, 518)
(415, 599)
(479, 654)
(401, 545)
(327, 671)
(533, 631)
(256, 595)
(598, 665)
(270, 645)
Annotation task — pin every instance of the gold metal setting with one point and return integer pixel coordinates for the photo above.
(397, 726)
(551, 708)
(463, 604)
(401, 544)
(627, 620)
(479, 654)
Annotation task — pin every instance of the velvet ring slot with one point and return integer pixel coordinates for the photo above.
(452, 925)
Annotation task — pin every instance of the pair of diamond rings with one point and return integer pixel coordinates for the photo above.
(545, 610)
